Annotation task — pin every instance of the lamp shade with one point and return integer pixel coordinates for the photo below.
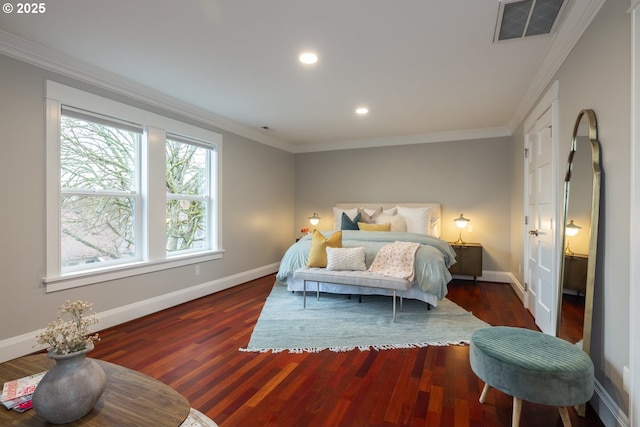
(314, 219)
(461, 221)
(572, 229)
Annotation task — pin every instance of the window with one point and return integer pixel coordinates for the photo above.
(188, 195)
(128, 191)
(100, 200)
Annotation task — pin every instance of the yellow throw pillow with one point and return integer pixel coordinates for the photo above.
(318, 252)
(374, 227)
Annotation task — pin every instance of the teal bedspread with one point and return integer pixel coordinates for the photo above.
(433, 257)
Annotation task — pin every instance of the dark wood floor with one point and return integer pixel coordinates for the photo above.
(572, 319)
(193, 348)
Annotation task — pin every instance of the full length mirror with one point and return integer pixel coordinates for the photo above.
(580, 233)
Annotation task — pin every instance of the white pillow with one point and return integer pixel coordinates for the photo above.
(418, 219)
(435, 226)
(346, 259)
(397, 222)
(390, 211)
(337, 216)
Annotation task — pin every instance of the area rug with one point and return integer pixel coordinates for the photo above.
(338, 323)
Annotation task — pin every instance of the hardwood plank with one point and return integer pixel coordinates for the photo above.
(193, 348)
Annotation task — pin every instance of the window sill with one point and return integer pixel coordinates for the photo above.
(74, 280)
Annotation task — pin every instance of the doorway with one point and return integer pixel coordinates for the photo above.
(541, 213)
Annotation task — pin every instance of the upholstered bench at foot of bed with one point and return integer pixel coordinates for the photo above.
(531, 366)
(353, 278)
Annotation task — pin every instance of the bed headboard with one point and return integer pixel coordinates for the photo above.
(436, 211)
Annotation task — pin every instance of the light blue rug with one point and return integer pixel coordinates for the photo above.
(338, 323)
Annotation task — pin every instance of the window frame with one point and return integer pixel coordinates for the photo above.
(153, 195)
(209, 196)
(135, 192)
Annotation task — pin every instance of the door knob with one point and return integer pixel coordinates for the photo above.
(533, 232)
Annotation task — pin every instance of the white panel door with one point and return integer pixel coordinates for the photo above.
(541, 225)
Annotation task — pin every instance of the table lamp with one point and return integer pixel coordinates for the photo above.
(461, 222)
(570, 230)
(314, 219)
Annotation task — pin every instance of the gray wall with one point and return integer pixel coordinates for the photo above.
(596, 75)
(471, 177)
(257, 211)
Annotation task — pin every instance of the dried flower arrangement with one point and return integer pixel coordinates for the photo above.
(70, 331)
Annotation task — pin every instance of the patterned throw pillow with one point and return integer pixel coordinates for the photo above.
(346, 259)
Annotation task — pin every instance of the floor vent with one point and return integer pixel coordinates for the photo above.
(525, 18)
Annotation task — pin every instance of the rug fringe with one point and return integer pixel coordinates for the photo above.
(350, 348)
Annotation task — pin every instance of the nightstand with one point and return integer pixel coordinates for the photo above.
(575, 272)
(468, 260)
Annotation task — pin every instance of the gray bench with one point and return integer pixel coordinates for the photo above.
(353, 278)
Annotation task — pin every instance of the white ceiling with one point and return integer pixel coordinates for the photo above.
(427, 69)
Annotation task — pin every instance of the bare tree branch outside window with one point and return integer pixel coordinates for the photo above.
(98, 179)
(98, 183)
(187, 174)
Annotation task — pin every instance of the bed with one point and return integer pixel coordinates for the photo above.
(408, 222)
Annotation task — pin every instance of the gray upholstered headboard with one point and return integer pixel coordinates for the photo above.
(436, 211)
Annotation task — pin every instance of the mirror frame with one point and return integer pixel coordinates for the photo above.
(590, 116)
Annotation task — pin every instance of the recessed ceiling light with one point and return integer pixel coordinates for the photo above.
(361, 111)
(308, 58)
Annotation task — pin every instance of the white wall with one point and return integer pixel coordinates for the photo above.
(257, 213)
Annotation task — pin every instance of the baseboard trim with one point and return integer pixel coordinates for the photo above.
(21, 345)
(489, 276)
(610, 414)
(517, 287)
(499, 277)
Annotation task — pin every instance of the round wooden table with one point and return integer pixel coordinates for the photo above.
(130, 398)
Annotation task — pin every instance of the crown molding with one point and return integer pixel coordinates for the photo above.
(49, 59)
(69, 66)
(576, 22)
(405, 140)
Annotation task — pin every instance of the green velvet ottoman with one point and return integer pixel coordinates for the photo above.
(531, 366)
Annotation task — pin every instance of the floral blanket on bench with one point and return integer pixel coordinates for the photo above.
(396, 259)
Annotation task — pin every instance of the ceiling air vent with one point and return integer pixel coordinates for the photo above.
(524, 18)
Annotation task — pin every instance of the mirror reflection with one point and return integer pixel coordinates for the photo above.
(581, 201)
